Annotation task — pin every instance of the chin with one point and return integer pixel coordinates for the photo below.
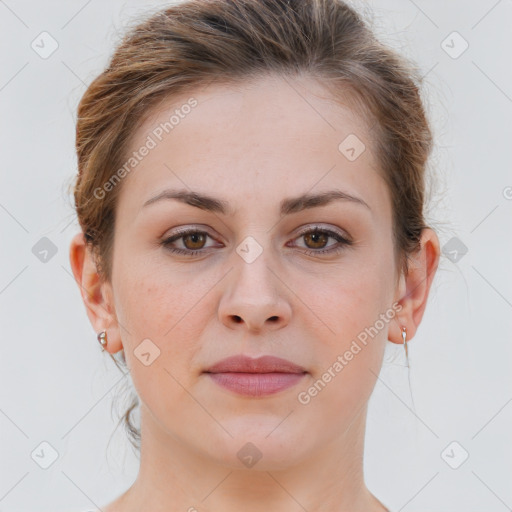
(266, 446)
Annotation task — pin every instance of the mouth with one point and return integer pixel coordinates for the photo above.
(259, 377)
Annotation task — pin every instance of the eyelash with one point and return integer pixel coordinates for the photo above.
(310, 252)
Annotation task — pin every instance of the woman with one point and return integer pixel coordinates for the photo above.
(250, 193)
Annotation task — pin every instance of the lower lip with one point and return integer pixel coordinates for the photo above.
(256, 384)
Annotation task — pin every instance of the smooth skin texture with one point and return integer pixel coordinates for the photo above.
(253, 145)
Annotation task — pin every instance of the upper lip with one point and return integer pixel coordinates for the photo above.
(263, 364)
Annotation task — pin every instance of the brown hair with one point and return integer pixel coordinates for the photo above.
(197, 42)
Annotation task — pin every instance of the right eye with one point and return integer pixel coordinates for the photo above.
(193, 241)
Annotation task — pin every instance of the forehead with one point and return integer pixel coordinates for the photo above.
(272, 136)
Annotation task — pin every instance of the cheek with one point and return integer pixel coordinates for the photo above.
(360, 303)
(169, 308)
(347, 299)
(349, 352)
(161, 309)
(150, 297)
(348, 360)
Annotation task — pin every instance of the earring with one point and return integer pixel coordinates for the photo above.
(404, 335)
(102, 338)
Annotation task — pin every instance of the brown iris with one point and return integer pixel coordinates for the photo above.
(316, 237)
(196, 238)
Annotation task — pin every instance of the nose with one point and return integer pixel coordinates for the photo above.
(255, 297)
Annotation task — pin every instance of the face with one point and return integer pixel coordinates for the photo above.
(258, 271)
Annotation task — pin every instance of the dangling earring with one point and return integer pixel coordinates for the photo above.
(102, 338)
(404, 335)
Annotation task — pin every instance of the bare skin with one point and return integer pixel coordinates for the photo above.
(253, 146)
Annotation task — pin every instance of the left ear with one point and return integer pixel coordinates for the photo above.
(414, 288)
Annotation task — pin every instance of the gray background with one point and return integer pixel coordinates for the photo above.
(57, 387)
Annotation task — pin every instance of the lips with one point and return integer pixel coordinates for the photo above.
(259, 377)
(264, 364)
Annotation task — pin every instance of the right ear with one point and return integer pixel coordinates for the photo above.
(96, 294)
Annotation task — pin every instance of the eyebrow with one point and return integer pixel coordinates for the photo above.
(287, 206)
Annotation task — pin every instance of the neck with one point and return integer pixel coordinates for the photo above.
(173, 476)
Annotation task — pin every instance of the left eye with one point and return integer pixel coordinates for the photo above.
(316, 239)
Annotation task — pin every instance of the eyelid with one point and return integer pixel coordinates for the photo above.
(307, 228)
(320, 227)
(182, 232)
